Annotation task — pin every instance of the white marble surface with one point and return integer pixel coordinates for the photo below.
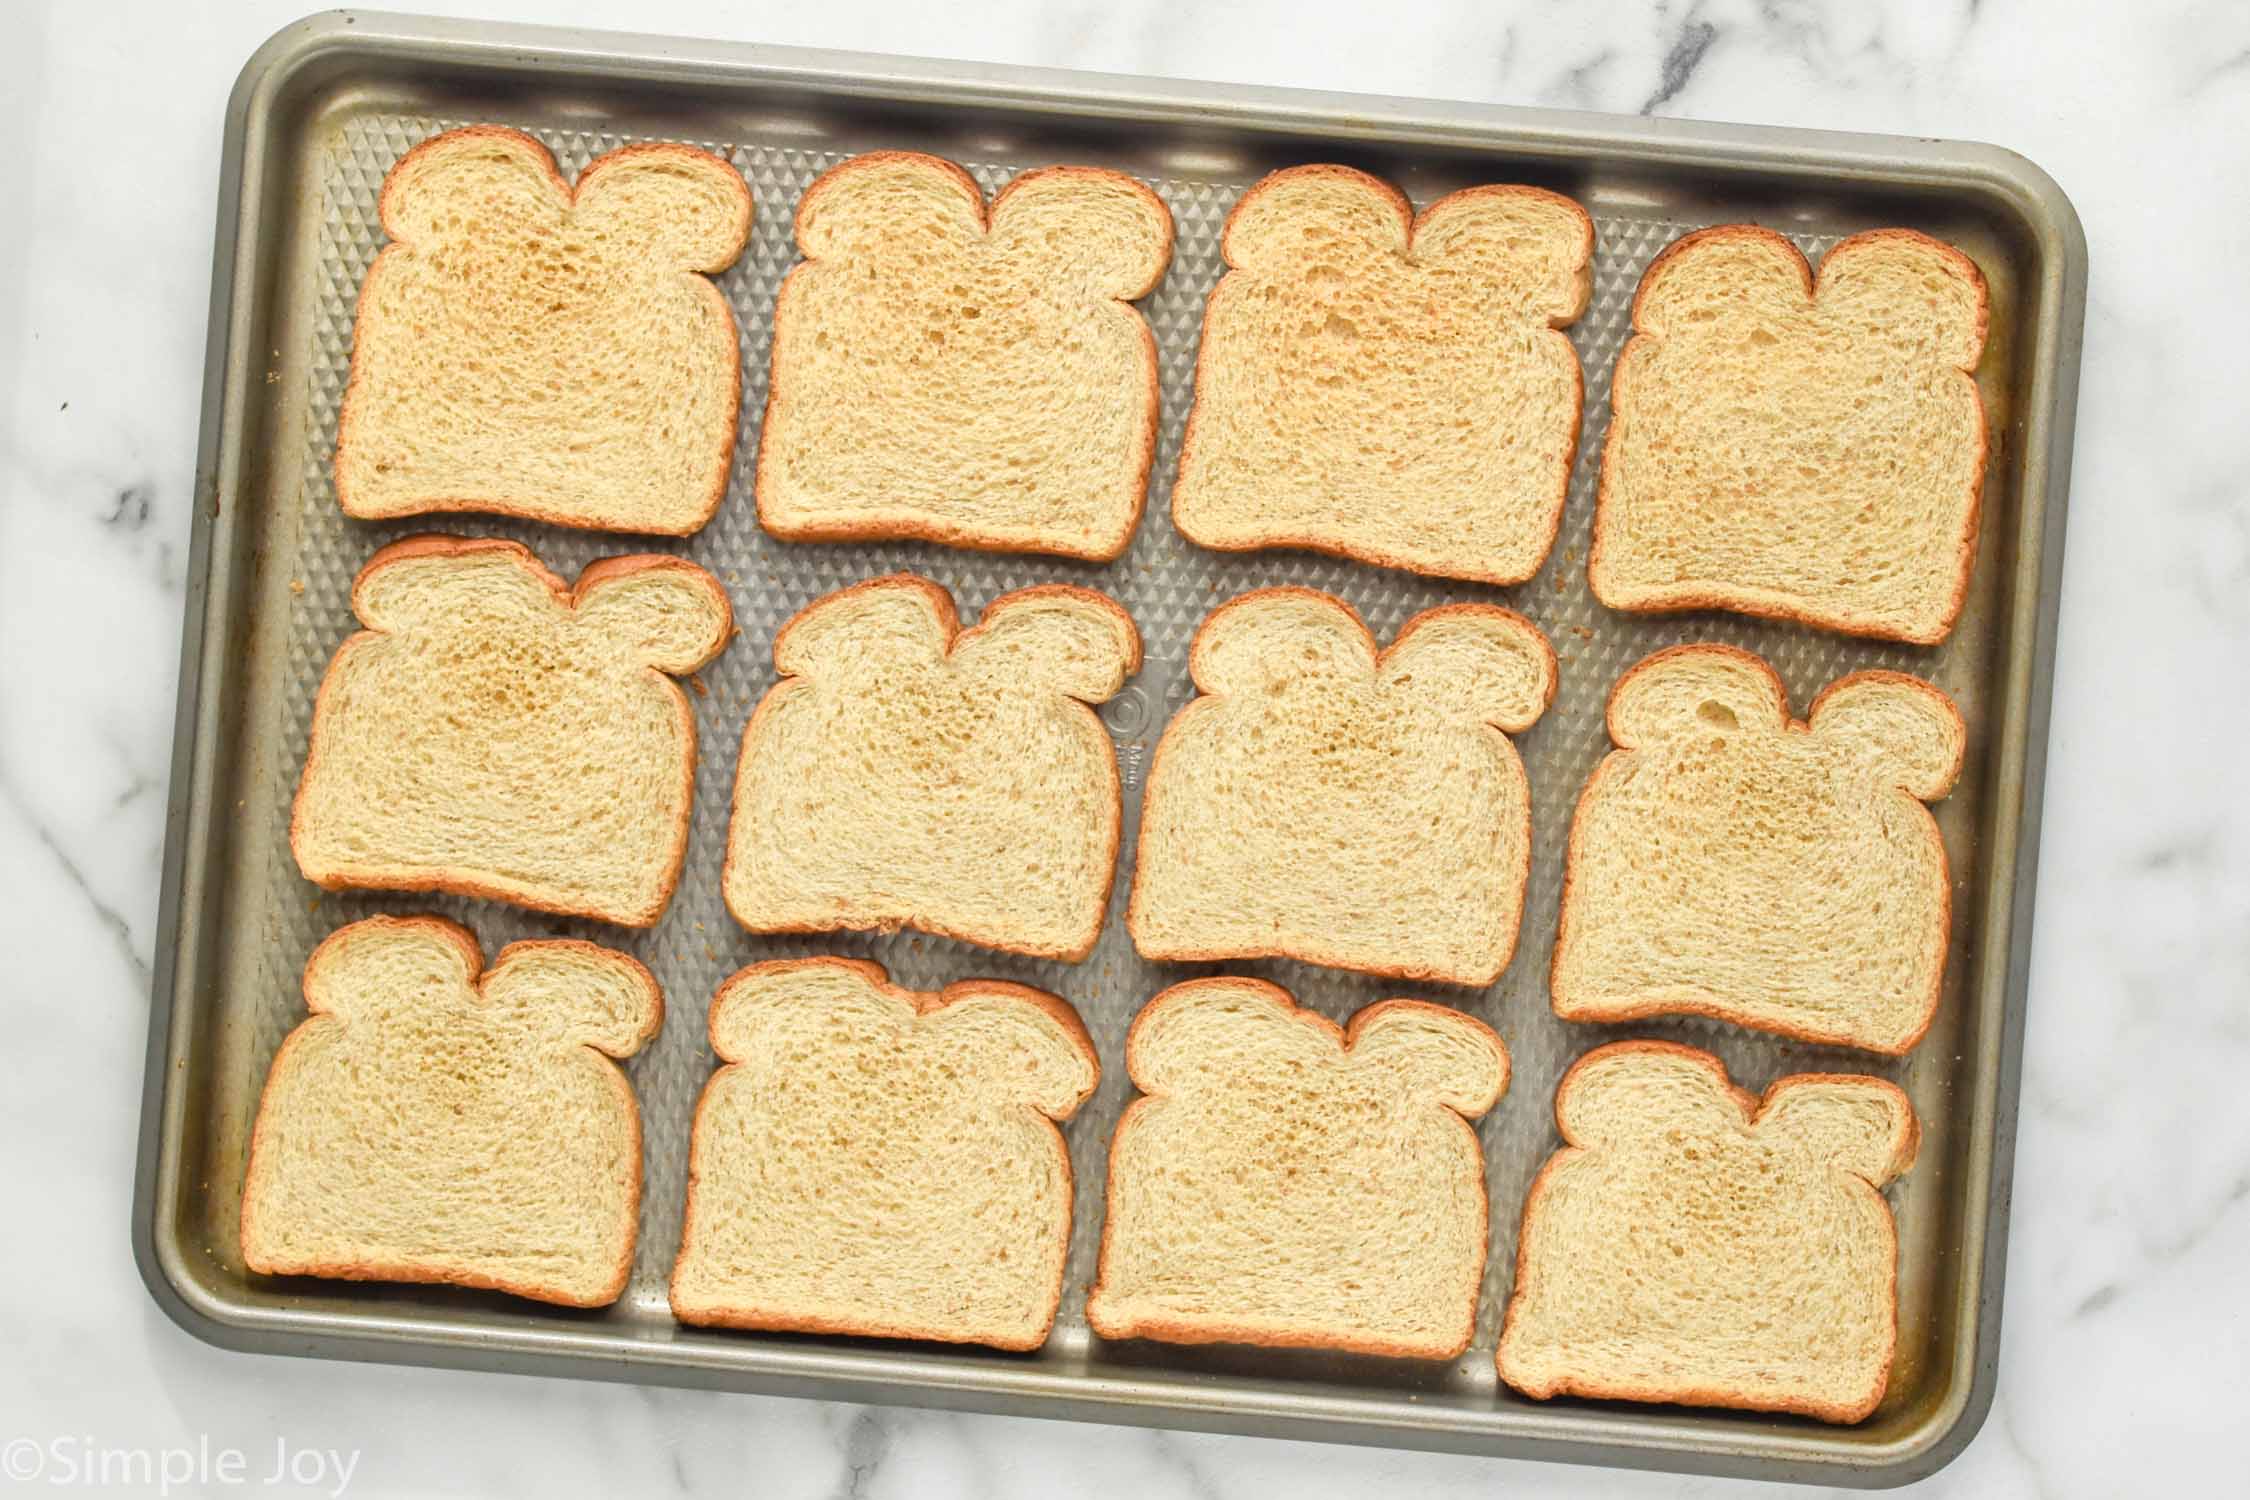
(2125, 1366)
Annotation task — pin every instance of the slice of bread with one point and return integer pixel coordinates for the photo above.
(495, 733)
(907, 773)
(1388, 386)
(530, 349)
(1805, 450)
(1695, 1244)
(955, 374)
(1729, 861)
(881, 1162)
(1288, 1182)
(1327, 802)
(438, 1121)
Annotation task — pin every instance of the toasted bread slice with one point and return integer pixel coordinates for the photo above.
(530, 349)
(495, 733)
(955, 374)
(907, 773)
(1388, 386)
(1327, 802)
(1806, 450)
(437, 1121)
(1286, 1181)
(878, 1161)
(1693, 1243)
(1729, 861)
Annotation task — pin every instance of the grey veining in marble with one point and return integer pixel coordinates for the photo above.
(2125, 1362)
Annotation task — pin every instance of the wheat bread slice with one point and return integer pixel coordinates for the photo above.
(1288, 1182)
(1328, 802)
(882, 1162)
(905, 772)
(528, 348)
(954, 373)
(1729, 861)
(1387, 386)
(1800, 448)
(493, 732)
(1693, 1243)
(437, 1121)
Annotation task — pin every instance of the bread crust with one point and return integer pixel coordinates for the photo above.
(1219, 1331)
(781, 371)
(924, 1002)
(532, 508)
(1764, 604)
(1714, 1008)
(950, 620)
(1410, 224)
(1314, 953)
(459, 882)
(1753, 1107)
(472, 956)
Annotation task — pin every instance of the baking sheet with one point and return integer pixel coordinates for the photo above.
(319, 119)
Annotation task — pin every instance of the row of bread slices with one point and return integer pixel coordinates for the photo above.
(870, 1160)
(496, 733)
(1371, 382)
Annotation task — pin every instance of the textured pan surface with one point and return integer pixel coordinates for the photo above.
(282, 559)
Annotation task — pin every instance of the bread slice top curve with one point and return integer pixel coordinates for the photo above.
(493, 732)
(1387, 386)
(976, 376)
(1285, 1181)
(1810, 449)
(1692, 1243)
(437, 1121)
(880, 1161)
(528, 348)
(1729, 861)
(1326, 801)
(907, 772)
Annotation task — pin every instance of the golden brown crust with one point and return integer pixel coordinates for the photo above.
(1904, 1149)
(1930, 693)
(1068, 591)
(1310, 953)
(1585, 279)
(940, 598)
(435, 544)
(753, 1320)
(1165, 1330)
(603, 569)
(532, 508)
(1401, 207)
(1753, 1108)
(464, 883)
(924, 1002)
(640, 971)
(745, 205)
(1552, 678)
(1178, 1331)
(1410, 224)
(844, 171)
(1298, 591)
(938, 529)
(1138, 188)
(1714, 1009)
(408, 1271)
(950, 620)
(1655, 659)
(1679, 598)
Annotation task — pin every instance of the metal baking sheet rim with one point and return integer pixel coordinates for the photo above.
(1648, 1438)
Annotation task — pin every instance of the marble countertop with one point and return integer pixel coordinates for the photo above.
(2125, 1360)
